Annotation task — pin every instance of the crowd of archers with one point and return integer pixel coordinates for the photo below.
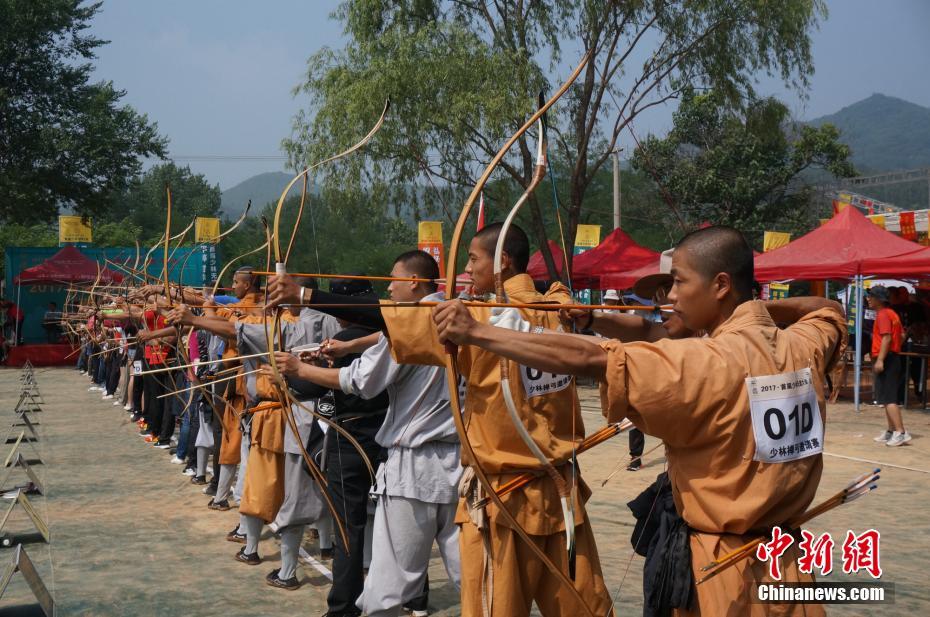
(389, 424)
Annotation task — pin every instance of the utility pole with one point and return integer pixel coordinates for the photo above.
(616, 158)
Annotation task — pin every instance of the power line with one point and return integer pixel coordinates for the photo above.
(227, 157)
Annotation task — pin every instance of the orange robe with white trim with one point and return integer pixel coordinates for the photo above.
(692, 394)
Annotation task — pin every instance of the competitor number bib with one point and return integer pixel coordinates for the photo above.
(539, 383)
(786, 418)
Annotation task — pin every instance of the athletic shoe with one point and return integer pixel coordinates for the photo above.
(883, 437)
(115, 403)
(235, 536)
(898, 439)
(177, 461)
(107, 397)
(210, 490)
(251, 559)
(222, 506)
(93, 389)
(189, 472)
(199, 480)
(415, 612)
(127, 407)
(162, 445)
(275, 581)
(152, 439)
(634, 465)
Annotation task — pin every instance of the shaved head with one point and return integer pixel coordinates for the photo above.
(720, 249)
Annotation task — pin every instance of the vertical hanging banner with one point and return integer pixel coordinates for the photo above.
(908, 226)
(429, 240)
(586, 238)
(206, 229)
(74, 229)
(774, 240)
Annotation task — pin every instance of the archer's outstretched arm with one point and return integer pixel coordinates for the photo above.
(564, 354)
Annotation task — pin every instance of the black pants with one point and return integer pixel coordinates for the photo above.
(113, 362)
(136, 394)
(349, 483)
(637, 442)
(171, 403)
(152, 387)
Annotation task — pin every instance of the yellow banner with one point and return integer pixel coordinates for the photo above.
(429, 240)
(429, 232)
(878, 219)
(588, 236)
(206, 229)
(775, 240)
(74, 229)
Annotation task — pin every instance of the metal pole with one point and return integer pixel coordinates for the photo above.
(858, 359)
(616, 189)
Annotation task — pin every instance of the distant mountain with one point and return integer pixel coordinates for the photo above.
(885, 133)
(260, 189)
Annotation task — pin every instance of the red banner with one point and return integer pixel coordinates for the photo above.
(908, 228)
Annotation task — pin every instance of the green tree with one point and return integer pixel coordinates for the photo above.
(340, 231)
(745, 169)
(463, 75)
(143, 206)
(64, 141)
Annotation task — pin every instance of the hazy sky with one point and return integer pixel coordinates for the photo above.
(217, 75)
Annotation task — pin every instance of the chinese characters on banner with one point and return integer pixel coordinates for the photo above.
(206, 229)
(859, 552)
(586, 237)
(72, 229)
(429, 240)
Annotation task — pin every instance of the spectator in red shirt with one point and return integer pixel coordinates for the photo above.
(887, 337)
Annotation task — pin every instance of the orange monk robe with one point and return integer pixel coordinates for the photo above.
(692, 394)
(263, 489)
(231, 442)
(554, 420)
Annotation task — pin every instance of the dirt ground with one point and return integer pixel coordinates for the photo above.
(132, 536)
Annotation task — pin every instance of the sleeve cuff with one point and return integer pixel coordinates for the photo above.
(617, 401)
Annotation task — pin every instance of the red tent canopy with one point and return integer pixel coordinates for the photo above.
(625, 280)
(846, 245)
(916, 264)
(617, 253)
(68, 265)
(537, 265)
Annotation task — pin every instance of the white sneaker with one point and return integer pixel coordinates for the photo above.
(176, 460)
(127, 407)
(898, 439)
(115, 403)
(92, 388)
(883, 437)
(190, 472)
(107, 397)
